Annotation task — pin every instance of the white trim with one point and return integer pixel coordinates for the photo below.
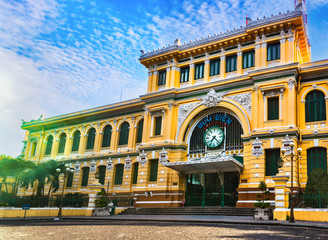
(310, 89)
(254, 201)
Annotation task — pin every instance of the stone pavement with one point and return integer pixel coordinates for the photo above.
(201, 219)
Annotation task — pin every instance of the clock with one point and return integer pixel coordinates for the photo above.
(213, 137)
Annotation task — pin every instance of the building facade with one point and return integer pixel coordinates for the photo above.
(210, 126)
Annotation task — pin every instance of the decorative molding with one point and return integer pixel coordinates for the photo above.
(143, 158)
(257, 149)
(245, 100)
(212, 98)
(291, 83)
(163, 157)
(256, 89)
(286, 145)
(183, 111)
(127, 164)
(273, 92)
(109, 164)
(93, 166)
(282, 40)
(77, 167)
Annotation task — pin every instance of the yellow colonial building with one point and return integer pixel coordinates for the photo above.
(210, 126)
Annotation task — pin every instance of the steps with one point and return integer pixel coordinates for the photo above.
(226, 211)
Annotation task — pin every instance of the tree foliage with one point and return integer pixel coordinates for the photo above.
(317, 182)
(263, 196)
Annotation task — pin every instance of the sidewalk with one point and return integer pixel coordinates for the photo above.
(185, 219)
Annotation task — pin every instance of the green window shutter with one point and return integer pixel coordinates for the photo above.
(315, 106)
(107, 136)
(248, 59)
(76, 141)
(231, 63)
(215, 67)
(49, 145)
(119, 174)
(91, 138)
(69, 179)
(62, 142)
(140, 130)
(124, 134)
(273, 108)
(271, 161)
(316, 158)
(199, 71)
(33, 149)
(158, 126)
(85, 176)
(162, 78)
(184, 74)
(153, 170)
(102, 174)
(273, 51)
(135, 173)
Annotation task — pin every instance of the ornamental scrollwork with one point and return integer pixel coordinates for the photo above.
(143, 158)
(109, 164)
(291, 83)
(257, 149)
(93, 166)
(163, 157)
(212, 98)
(245, 100)
(127, 164)
(77, 167)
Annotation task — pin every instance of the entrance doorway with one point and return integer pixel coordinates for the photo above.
(207, 190)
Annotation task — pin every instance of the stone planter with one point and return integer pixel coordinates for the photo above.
(97, 212)
(263, 214)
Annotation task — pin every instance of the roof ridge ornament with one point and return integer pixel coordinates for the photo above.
(212, 98)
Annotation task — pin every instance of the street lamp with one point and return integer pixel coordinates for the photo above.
(65, 172)
(288, 154)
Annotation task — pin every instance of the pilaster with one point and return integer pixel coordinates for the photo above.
(264, 55)
(206, 68)
(150, 77)
(239, 63)
(168, 77)
(283, 50)
(222, 66)
(192, 73)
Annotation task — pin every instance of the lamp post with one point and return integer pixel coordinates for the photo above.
(287, 154)
(65, 172)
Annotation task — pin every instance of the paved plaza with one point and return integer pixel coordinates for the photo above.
(96, 229)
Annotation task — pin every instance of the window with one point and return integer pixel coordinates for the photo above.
(215, 67)
(153, 170)
(315, 106)
(271, 161)
(49, 145)
(273, 51)
(231, 63)
(184, 74)
(62, 142)
(248, 59)
(85, 176)
(102, 174)
(107, 136)
(33, 149)
(124, 134)
(161, 78)
(69, 179)
(199, 71)
(316, 158)
(76, 141)
(135, 173)
(91, 138)
(273, 108)
(158, 126)
(119, 174)
(140, 129)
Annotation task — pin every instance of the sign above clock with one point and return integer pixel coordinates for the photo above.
(211, 120)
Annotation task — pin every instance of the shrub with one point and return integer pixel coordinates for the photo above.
(263, 196)
(317, 182)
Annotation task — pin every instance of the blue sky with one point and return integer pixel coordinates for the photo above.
(63, 56)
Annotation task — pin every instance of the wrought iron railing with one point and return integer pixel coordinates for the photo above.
(309, 200)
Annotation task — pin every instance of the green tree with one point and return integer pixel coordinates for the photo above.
(263, 196)
(317, 182)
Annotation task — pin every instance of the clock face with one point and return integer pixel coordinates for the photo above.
(213, 137)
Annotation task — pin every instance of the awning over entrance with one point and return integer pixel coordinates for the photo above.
(207, 165)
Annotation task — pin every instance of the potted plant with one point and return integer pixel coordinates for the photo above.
(262, 212)
(101, 209)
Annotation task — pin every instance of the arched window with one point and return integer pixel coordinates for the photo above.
(62, 142)
(85, 176)
(107, 136)
(140, 129)
(124, 134)
(76, 141)
(118, 174)
(49, 145)
(316, 158)
(91, 138)
(101, 174)
(315, 106)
